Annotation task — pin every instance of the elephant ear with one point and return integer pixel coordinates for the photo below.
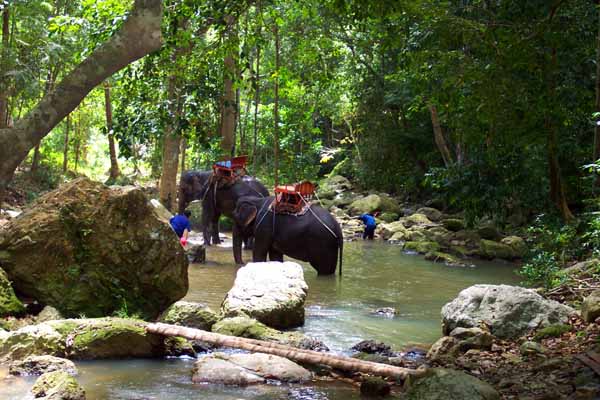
(247, 214)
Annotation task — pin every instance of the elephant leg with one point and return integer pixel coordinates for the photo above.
(260, 251)
(237, 246)
(275, 255)
(215, 229)
(249, 243)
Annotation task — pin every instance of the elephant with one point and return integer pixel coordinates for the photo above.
(218, 199)
(315, 236)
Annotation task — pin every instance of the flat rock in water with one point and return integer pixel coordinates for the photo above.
(509, 311)
(247, 369)
(38, 365)
(88, 249)
(57, 385)
(271, 292)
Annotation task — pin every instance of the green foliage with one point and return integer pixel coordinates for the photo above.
(552, 331)
(541, 269)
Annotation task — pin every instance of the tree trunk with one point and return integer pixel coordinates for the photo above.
(66, 145)
(35, 162)
(597, 125)
(440, 140)
(3, 68)
(256, 102)
(114, 164)
(228, 104)
(182, 151)
(276, 107)
(292, 353)
(138, 36)
(170, 155)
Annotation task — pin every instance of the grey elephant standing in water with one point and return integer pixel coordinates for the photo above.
(315, 236)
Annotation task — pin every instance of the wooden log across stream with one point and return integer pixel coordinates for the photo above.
(291, 353)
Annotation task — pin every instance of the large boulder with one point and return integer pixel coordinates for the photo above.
(490, 250)
(590, 308)
(447, 384)
(431, 213)
(272, 292)
(333, 185)
(374, 202)
(193, 315)
(386, 231)
(57, 385)
(517, 244)
(38, 365)
(508, 311)
(247, 369)
(84, 339)
(9, 304)
(90, 250)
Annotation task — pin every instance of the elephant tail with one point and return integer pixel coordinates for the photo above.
(341, 239)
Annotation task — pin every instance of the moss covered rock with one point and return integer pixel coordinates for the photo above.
(517, 244)
(590, 308)
(38, 365)
(453, 224)
(9, 304)
(386, 231)
(552, 331)
(431, 213)
(31, 340)
(447, 384)
(490, 249)
(422, 247)
(416, 219)
(57, 385)
(193, 315)
(89, 249)
(374, 202)
(445, 258)
(389, 217)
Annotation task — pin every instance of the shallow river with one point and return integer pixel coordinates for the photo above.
(339, 312)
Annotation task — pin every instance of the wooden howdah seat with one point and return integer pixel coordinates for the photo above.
(293, 199)
(230, 169)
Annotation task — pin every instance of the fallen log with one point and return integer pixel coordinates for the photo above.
(291, 353)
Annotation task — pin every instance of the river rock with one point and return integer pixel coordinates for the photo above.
(431, 213)
(509, 311)
(490, 250)
(48, 313)
(374, 386)
(247, 369)
(57, 385)
(517, 244)
(332, 185)
(422, 247)
(416, 219)
(590, 308)
(372, 203)
(272, 292)
(343, 200)
(9, 304)
(31, 340)
(89, 249)
(473, 338)
(445, 258)
(38, 365)
(373, 347)
(488, 230)
(389, 217)
(386, 231)
(453, 224)
(443, 349)
(447, 384)
(244, 326)
(193, 315)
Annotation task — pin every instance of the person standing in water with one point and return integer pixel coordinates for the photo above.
(369, 220)
(181, 225)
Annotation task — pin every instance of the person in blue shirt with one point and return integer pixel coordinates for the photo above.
(181, 226)
(369, 220)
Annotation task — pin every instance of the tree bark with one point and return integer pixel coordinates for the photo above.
(170, 155)
(35, 162)
(228, 103)
(256, 103)
(3, 67)
(182, 151)
(139, 35)
(292, 353)
(438, 134)
(276, 107)
(66, 145)
(114, 163)
(597, 125)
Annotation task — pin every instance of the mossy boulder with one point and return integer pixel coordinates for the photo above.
(372, 203)
(101, 338)
(244, 326)
(89, 249)
(489, 231)
(193, 315)
(447, 384)
(344, 199)
(431, 213)
(490, 249)
(590, 308)
(333, 185)
(453, 224)
(552, 331)
(389, 217)
(38, 365)
(386, 231)
(416, 219)
(57, 385)
(9, 304)
(31, 340)
(422, 247)
(517, 244)
(445, 258)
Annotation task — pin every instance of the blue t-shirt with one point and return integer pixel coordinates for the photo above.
(368, 220)
(180, 223)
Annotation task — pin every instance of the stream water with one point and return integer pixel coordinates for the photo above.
(339, 312)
